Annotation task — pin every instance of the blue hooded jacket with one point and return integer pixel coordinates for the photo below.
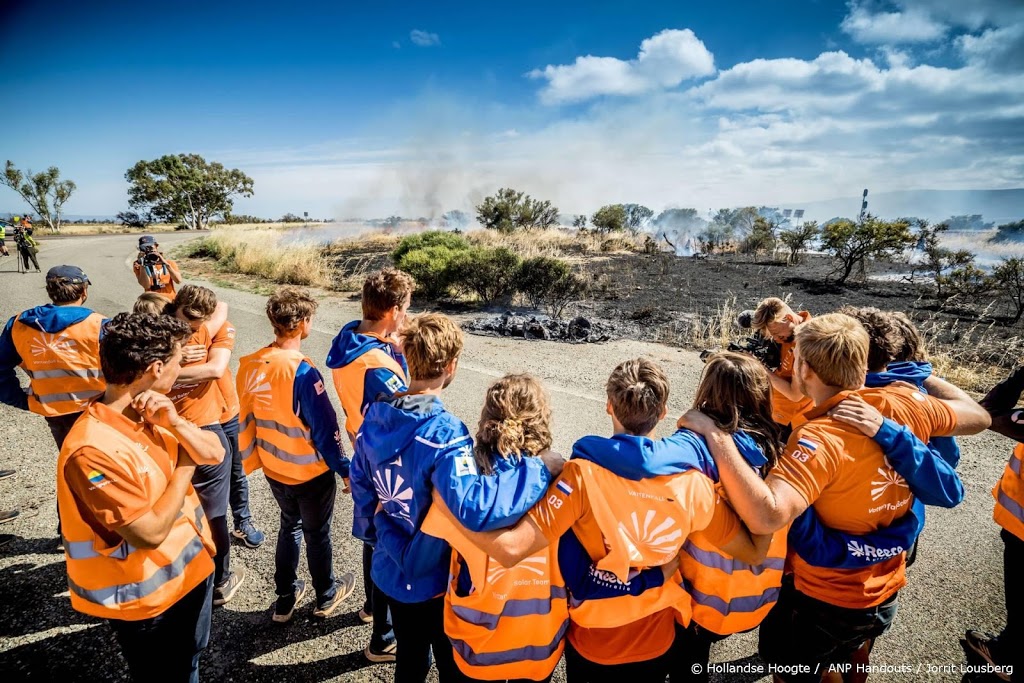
(916, 372)
(349, 345)
(407, 447)
(49, 318)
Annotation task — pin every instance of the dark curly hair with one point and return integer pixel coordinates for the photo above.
(132, 341)
(886, 339)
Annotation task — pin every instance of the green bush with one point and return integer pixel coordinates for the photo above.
(489, 273)
(549, 282)
(431, 238)
(432, 268)
(199, 248)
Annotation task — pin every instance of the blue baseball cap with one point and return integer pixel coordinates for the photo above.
(72, 274)
(146, 241)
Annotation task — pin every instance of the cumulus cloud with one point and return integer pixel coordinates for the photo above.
(424, 38)
(665, 60)
(1001, 49)
(910, 25)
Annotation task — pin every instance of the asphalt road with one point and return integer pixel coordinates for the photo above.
(956, 583)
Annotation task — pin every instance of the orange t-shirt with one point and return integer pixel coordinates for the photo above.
(109, 495)
(846, 477)
(640, 640)
(225, 339)
(783, 408)
(199, 402)
(165, 285)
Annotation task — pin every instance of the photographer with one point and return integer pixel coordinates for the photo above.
(153, 271)
(27, 246)
(775, 320)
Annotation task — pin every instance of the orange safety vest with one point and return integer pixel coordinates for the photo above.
(123, 582)
(349, 382)
(1009, 495)
(644, 524)
(729, 596)
(271, 435)
(63, 367)
(512, 623)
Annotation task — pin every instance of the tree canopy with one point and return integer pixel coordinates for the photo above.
(610, 218)
(186, 188)
(851, 244)
(508, 210)
(45, 192)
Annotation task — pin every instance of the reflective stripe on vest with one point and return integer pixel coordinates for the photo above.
(731, 565)
(113, 596)
(1009, 495)
(745, 603)
(63, 367)
(528, 653)
(271, 436)
(511, 608)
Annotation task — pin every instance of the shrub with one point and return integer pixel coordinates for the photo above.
(550, 283)
(508, 210)
(431, 238)
(489, 273)
(610, 218)
(432, 267)
(613, 244)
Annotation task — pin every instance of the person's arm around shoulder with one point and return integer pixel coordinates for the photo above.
(970, 416)
(203, 447)
(764, 505)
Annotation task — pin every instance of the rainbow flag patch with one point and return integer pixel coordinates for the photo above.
(96, 476)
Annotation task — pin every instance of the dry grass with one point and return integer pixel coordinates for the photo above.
(556, 242)
(703, 331)
(266, 253)
(103, 229)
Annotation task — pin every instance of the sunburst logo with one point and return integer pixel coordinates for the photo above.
(390, 489)
(257, 386)
(535, 564)
(887, 477)
(59, 345)
(649, 536)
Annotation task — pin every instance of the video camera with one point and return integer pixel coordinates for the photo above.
(765, 350)
(148, 255)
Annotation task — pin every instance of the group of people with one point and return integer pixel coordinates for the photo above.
(21, 231)
(790, 497)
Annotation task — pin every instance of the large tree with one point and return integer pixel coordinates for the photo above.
(508, 210)
(853, 244)
(186, 188)
(45, 192)
(637, 217)
(610, 218)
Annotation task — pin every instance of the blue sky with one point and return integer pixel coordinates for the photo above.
(347, 109)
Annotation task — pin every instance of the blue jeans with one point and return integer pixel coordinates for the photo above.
(211, 483)
(239, 489)
(167, 647)
(306, 512)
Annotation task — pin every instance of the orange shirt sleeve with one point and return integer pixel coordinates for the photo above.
(809, 464)
(926, 414)
(105, 489)
(224, 338)
(701, 500)
(565, 503)
(724, 524)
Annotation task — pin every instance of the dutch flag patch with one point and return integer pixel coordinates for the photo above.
(564, 487)
(808, 444)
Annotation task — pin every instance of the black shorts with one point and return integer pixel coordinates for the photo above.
(803, 631)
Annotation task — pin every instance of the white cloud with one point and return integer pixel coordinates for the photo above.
(911, 25)
(424, 38)
(665, 60)
(1002, 49)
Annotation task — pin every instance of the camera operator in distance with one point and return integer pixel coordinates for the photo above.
(153, 271)
(774, 319)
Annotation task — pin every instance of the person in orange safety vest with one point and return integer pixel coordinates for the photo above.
(138, 547)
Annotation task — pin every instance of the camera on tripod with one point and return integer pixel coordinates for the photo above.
(765, 350)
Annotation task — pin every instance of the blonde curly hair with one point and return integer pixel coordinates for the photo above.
(515, 421)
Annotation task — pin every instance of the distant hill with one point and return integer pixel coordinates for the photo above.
(998, 206)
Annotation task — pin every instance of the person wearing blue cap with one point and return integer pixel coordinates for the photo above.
(153, 271)
(58, 347)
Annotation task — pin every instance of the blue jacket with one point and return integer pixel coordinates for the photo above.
(311, 403)
(915, 372)
(49, 318)
(930, 478)
(409, 446)
(348, 345)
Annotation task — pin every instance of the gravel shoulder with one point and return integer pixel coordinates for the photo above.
(956, 584)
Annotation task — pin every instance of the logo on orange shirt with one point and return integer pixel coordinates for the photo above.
(887, 477)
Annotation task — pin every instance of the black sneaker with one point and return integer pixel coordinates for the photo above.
(224, 592)
(284, 606)
(343, 588)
